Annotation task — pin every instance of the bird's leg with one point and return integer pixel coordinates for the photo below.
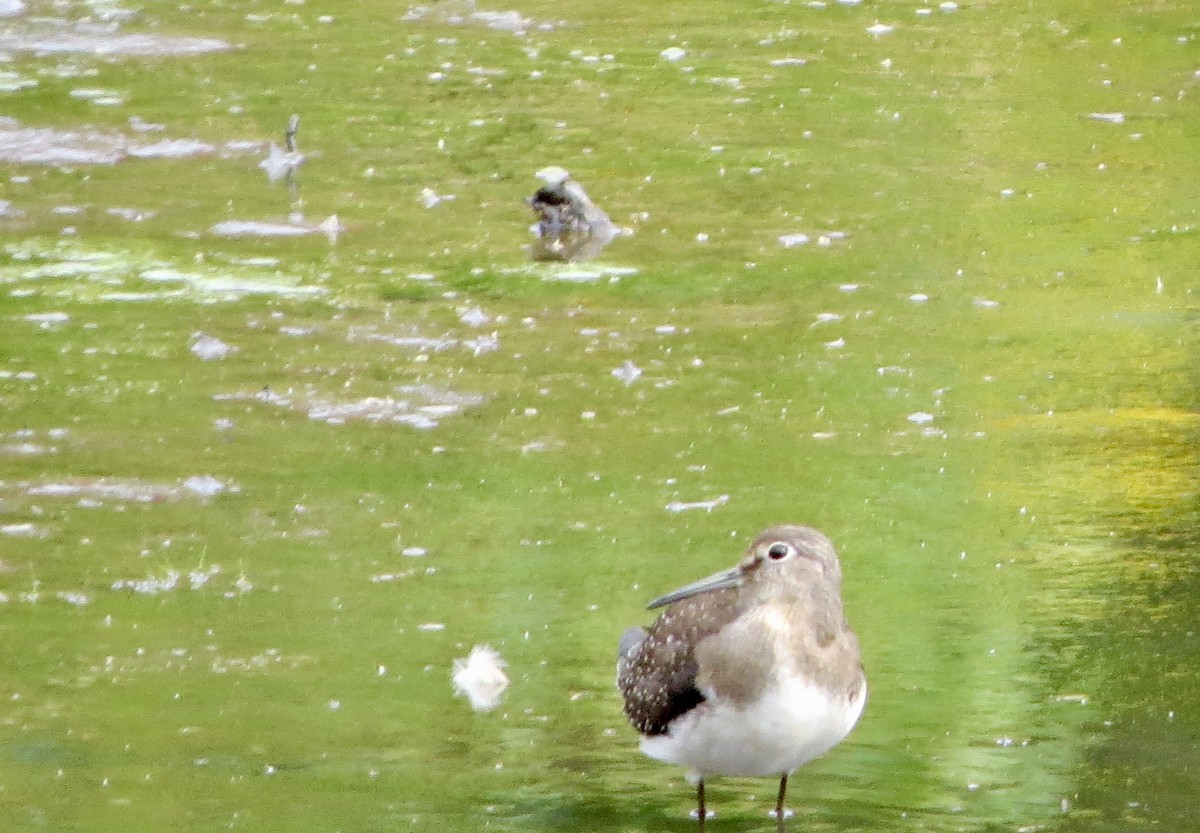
(779, 811)
(701, 812)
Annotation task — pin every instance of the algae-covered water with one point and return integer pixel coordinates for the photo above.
(280, 443)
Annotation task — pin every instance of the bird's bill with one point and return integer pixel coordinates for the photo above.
(717, 581)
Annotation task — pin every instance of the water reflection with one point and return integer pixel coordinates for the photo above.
(1122, 626)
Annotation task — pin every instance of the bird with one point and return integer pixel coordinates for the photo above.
(569, 225)
(559, 206)
(282, 163)
(753, 671)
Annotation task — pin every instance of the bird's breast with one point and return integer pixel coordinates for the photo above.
(789, 724)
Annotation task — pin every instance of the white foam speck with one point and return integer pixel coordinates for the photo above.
(205, 485)
(628, 372)
(209, 348)
(474, 317)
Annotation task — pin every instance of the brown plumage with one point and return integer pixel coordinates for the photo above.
(751, 671)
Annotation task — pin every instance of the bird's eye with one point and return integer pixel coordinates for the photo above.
(779, 551)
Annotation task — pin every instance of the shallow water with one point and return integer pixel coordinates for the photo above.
(919, 286)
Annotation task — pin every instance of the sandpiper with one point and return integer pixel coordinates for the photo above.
(751, 671)
(560, 210)
(570, 226)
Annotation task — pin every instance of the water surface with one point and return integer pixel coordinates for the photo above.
(927, 287)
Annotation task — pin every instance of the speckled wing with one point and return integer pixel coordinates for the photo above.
(656, 670)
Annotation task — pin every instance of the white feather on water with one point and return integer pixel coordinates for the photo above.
(480, 677)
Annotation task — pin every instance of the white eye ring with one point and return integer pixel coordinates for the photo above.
(779, 551)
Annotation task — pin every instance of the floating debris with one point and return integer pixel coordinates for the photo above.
(384, 578)
(462, 12)
(474, 317)
(171, 579)
(418, 406)
(673, 54)
(507, 21)
(102, 41)
(411, 338)
(46, 320)
(125, 491)
(205, 485)
(171, 149)
(878, 29)
(44, 146)
(1111, 118)
(480, 676)
(628, 372)
(588, 274)
(258, 228)
(677, 506)
(88, 146)
(331, 227)
(87, 273)
(431, 198)
(131, 215)
(479, 345)
(104, 98)
(27, 449)
(209, 348)
(570, 226)
(789, 241)
(227, 285)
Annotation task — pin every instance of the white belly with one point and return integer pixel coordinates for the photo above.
(790, 725)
